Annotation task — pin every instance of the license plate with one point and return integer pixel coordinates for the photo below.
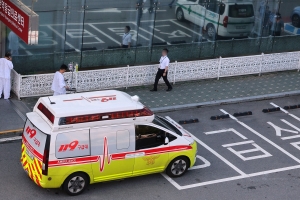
(240, 27)
(29, 154)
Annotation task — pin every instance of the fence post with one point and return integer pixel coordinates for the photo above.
(261, 63)
(19, 86)
(76, 80)
(174, 78)
(299, 61)
(127, 77)
(219, 67)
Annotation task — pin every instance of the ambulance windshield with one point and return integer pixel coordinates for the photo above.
(33, 138)
(166, 124)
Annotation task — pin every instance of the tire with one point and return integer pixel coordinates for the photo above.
(296, 20)
(75, 184)
(178, 166)
(211, 32)
(179, 15)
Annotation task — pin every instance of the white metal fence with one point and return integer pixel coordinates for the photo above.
(39, 85)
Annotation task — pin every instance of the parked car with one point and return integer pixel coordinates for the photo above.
(296, 17)
(235, 18)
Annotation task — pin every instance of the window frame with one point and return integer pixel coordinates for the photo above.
(157, 127)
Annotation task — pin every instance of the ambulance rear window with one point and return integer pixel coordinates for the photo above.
(34, 139)
(46, 112)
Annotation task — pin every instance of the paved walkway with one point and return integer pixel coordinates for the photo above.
(213, 91)
(186, 94)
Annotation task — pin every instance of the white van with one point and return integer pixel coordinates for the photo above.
(227, 18)
(71, 141)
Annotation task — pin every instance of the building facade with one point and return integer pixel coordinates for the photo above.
(91, 32)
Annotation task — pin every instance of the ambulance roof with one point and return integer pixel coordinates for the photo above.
(90, 103)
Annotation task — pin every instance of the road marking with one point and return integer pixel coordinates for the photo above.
(218, 155)
(290, 137)
(238, 143)
(232, 178)
(28, 52)
(278, 129)
(10, 139)
(62, 37)
(151, 34)
(262, 137)
(206, 163)
(257, 148)
(227, 130)
(185, 27)
(283, 110)
(112, 39)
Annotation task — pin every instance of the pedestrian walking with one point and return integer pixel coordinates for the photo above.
(13, 43)
(59, 85)
(163, 70)
(5, 69)
(126, 38)
(277, 25)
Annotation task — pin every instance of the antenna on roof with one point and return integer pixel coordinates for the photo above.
(86, 99)
(51, 102)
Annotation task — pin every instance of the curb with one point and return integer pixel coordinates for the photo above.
(11, 132)
(227, 101)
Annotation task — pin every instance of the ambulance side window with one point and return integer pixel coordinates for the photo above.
(123, 139)
(148, 137)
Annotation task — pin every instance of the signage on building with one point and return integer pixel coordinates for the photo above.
(21, 20)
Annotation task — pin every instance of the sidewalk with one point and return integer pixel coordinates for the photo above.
(184, 95)
(209, 92)
(10, 120)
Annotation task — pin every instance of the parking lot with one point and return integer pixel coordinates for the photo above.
(254, 156)
(242, 147)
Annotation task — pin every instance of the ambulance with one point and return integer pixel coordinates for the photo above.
(226, 18)
(71, 141)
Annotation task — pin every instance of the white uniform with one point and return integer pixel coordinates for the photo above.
(5, 69)
(58, 84)
(13, 44)
(164, 62)
(126, 38)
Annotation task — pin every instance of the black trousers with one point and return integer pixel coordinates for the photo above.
(159, 74)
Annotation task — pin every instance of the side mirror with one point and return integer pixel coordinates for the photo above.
(166, 140)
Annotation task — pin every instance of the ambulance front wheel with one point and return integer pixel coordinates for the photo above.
(75, 184)
(178, 166)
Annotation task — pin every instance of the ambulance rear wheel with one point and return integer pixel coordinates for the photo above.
(75, 184)
(178, 166)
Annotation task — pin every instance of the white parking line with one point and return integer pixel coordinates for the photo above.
(238, 143)
(218, 155)
(227, 130)
(285, 111)
(262, 137)
(97, 29)
(62, 37)
(10, 139)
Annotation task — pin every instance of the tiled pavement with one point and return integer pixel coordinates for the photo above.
(212, 91)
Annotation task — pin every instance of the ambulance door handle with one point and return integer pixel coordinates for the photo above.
(140, 154)
(130, 155)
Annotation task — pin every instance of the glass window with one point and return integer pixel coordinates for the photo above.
(166, 124)
(123, 139)
(148, 137)
(241, 11)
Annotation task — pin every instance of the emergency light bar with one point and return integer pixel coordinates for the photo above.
(46, 112)
(105, 116)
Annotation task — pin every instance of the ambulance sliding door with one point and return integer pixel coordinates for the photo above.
(151, 153)
(111, 143)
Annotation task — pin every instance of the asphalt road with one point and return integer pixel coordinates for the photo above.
(238, 158)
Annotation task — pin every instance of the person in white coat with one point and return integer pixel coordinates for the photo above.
(59, 85)
(5, 69)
